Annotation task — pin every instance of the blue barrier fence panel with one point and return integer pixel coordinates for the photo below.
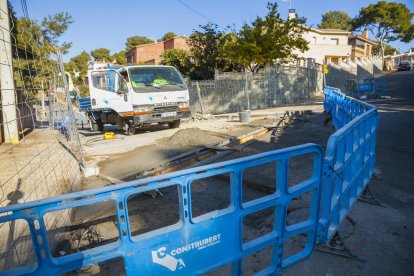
(84, 103)
(350, 158)
(196, 243)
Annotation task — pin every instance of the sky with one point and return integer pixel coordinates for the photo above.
(108, 23)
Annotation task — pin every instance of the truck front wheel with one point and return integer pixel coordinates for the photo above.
(96, 125)
(174, 124)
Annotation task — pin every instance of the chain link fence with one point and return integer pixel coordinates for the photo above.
(273, 87)
(40, 151)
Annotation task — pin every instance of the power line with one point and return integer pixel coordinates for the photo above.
(194, 10)
(24, 8)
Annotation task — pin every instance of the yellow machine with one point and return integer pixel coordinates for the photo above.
(109, 135)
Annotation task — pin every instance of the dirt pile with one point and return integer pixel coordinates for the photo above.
(192, 137)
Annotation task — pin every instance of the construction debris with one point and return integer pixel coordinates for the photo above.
(203, 117)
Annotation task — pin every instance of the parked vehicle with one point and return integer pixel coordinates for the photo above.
(403, 66)
(136, 96)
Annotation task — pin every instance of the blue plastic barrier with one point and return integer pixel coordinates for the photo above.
(380, 86)
(350, 158)
(84, 104)
(370, 87)
(194, 245)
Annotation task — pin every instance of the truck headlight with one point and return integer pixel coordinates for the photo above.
(142, 109)
(184, 106)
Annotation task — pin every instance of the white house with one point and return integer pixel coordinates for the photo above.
(397, 58)
(326, 44)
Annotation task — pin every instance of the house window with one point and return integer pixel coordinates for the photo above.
(334, 41)
(314, 40)
(360, 44)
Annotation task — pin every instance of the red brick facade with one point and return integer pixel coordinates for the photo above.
(152, 53)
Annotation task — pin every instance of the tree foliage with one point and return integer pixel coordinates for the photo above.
(207, 45)
(168, 35)
(179, 58)
(78, 63)
(54, 26)
(101, 54)
(388, 50)
(336, 20)
(137, 40)
(120, 58)
(387, 21)
(266, 41)
(33, 46)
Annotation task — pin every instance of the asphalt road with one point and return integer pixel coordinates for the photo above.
(382, 236)
(395, 145)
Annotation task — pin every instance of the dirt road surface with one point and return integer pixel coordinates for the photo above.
(123, 157)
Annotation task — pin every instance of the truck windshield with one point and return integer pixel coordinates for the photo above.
(155, 79)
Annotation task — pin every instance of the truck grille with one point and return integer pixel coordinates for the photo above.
(163, 109)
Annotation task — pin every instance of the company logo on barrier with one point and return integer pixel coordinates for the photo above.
(168, 260)
(162, 258)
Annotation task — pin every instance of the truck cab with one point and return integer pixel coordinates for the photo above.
(137, 96)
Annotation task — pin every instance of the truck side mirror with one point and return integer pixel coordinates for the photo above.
(122, 87)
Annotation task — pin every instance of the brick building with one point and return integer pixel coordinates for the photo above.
(152, 53)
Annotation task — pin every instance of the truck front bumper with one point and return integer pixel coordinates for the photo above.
(160, 118)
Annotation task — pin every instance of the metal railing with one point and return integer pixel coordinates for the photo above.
(276, 86)
(40, 151)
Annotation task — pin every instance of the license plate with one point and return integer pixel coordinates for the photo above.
(169, 114)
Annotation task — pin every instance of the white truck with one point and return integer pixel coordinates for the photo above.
(136, 96)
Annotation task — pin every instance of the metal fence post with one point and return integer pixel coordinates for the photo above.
(72, 118)
(199, 97)
(245, 89)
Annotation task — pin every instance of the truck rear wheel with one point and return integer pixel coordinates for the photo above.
(131, 129)
(174, 124)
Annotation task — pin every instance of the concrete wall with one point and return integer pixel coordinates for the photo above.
(359, 70)
(319, 52)
(276, 86)
(1, 124)
(321, 38)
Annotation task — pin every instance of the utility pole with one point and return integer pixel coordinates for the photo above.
(8, 97)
